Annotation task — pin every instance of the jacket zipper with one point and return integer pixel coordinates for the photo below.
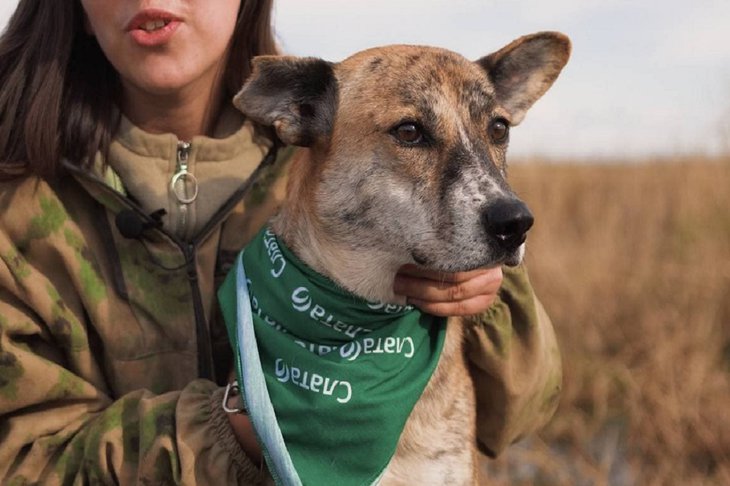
(179, 183)
(185, 195)
(205, 351)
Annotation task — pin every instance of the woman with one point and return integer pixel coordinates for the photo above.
(122, 164)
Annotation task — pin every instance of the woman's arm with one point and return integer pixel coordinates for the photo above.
(59, 423)
(515, 362)
(511, 346)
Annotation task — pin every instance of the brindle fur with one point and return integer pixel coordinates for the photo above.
(361, 204)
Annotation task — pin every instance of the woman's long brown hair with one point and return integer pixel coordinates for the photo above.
(58, 92)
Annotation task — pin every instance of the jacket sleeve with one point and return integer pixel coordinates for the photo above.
(515, 362)
(58, 424)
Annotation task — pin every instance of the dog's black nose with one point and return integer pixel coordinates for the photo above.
(507, 221)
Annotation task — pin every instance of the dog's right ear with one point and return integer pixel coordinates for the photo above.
(296, 96)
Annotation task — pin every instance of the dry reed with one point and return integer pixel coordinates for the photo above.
(633, 264)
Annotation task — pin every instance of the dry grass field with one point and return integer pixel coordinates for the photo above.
(632, 261)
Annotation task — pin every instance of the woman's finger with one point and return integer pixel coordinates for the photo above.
(480, 282)
(468, 307)
(416, 271)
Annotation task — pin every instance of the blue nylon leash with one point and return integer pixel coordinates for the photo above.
(260, 410)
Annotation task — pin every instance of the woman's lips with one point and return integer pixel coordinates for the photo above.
(152, 27)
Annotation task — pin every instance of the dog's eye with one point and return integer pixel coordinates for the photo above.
(408, 133)
(499, 130)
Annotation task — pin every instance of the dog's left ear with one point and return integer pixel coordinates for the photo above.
(523, 70)
(296, 96)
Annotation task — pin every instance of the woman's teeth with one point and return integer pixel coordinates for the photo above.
(151, 25)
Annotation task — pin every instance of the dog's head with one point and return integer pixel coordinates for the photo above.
(409, 143)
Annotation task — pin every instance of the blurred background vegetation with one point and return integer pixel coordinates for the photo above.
(632, 261)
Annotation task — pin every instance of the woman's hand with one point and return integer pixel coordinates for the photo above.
(242, 427)
(449, 294)
(243, 430)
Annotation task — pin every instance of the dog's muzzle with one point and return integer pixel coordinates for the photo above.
(507, 222)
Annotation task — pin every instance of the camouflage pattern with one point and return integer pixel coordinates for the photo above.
(515, 362)
(98, 349)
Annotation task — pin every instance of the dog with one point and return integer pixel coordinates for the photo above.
(404, 162)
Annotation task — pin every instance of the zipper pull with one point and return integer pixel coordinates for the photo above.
(182, 178)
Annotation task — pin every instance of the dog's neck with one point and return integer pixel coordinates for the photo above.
(366, 272)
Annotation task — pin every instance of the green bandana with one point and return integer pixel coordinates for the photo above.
(341, 373)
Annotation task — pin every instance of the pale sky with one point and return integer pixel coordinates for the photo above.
(646, 77)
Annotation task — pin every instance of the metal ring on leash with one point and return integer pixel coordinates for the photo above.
(232, 390)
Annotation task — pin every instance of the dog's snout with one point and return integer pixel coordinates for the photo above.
(508, 221)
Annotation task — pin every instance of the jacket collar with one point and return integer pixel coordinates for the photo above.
(141, 167)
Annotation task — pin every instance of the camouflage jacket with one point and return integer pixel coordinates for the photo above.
(112, 351)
